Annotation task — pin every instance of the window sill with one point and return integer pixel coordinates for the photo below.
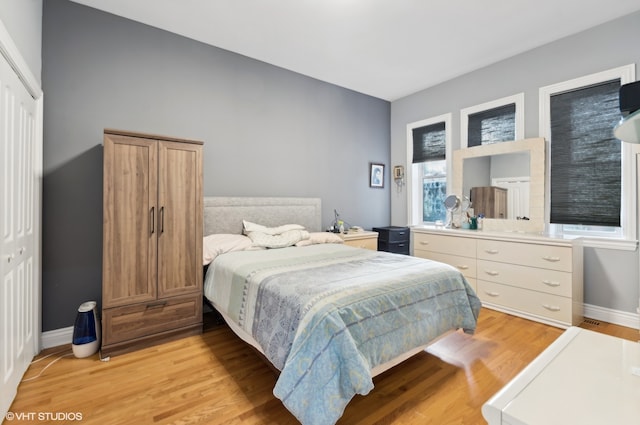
(609, 243)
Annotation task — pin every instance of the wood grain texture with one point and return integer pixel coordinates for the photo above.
(215, 378)
(152, 240)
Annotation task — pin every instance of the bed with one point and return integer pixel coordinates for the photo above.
(327, 316)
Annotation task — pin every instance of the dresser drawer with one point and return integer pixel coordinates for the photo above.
(466, 265)
(526, 254)
(465, 247)
(536, 303)
(543, 280)
(134, 321)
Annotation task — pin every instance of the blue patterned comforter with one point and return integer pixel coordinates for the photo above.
(325, 315)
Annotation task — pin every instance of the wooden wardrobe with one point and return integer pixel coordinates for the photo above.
(152, 240)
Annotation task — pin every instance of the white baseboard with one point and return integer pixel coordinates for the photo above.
(56, 337)
(64, 336)
(615, 317)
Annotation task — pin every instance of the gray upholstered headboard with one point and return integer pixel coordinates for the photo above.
(225, 214)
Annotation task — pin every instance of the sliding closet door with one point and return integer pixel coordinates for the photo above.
(19, 242)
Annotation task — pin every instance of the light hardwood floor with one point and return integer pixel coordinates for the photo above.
(215, 378)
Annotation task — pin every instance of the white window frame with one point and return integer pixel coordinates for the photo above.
(414, 200)
(518, 99)
(626, 239)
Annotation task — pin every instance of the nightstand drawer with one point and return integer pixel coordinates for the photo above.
(393, 234)
(138, 320)
(366, 243)
(395, 247)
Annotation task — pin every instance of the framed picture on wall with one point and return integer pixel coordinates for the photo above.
(376, 175)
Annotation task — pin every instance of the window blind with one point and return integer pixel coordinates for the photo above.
(492, 126)
(429, 143)
(585, 156)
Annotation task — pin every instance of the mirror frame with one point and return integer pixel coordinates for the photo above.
(536, 149)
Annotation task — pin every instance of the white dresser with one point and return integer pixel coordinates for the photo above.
(583, 378)
(535, 277)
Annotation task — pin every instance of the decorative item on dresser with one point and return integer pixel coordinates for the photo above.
(361, 239)
(152, 240)
(393, 239)
(532, 276)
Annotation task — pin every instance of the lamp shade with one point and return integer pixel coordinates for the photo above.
(628, 129)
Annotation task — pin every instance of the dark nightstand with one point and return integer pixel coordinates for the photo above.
(393, 239)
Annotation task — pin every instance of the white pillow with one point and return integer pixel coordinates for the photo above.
(280, 240)
(253, 227)
(321, 237)
(216, 244)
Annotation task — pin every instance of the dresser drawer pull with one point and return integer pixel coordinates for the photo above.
(492, 251)
(551, 283)
(492, 272)
(424, 242)
(159, 304)
(552, 259)
(463, 267)
(492, 294)
(551, 307)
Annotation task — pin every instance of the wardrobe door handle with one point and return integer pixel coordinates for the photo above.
(152, 219)
(161, 219)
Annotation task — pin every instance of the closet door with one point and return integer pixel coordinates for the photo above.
(19, 234)
(130, 220)
(180, 218)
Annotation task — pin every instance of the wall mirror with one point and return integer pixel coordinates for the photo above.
(518, 168)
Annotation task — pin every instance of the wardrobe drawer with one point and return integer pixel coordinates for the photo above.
(536, 303)
(465, 247)
(465, 264)
(544, 280)
(526, 254)
(138, 320)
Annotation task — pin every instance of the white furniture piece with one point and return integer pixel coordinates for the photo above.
(531, 276)
(362, 239)
(584, 378)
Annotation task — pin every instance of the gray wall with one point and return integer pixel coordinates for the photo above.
(611, 276)
(23, 20)
(267, 132)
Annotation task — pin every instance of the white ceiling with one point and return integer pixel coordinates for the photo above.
(383, 48)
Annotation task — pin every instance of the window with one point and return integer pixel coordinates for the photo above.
(492, 122)
(429, 152)
(588, 168)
